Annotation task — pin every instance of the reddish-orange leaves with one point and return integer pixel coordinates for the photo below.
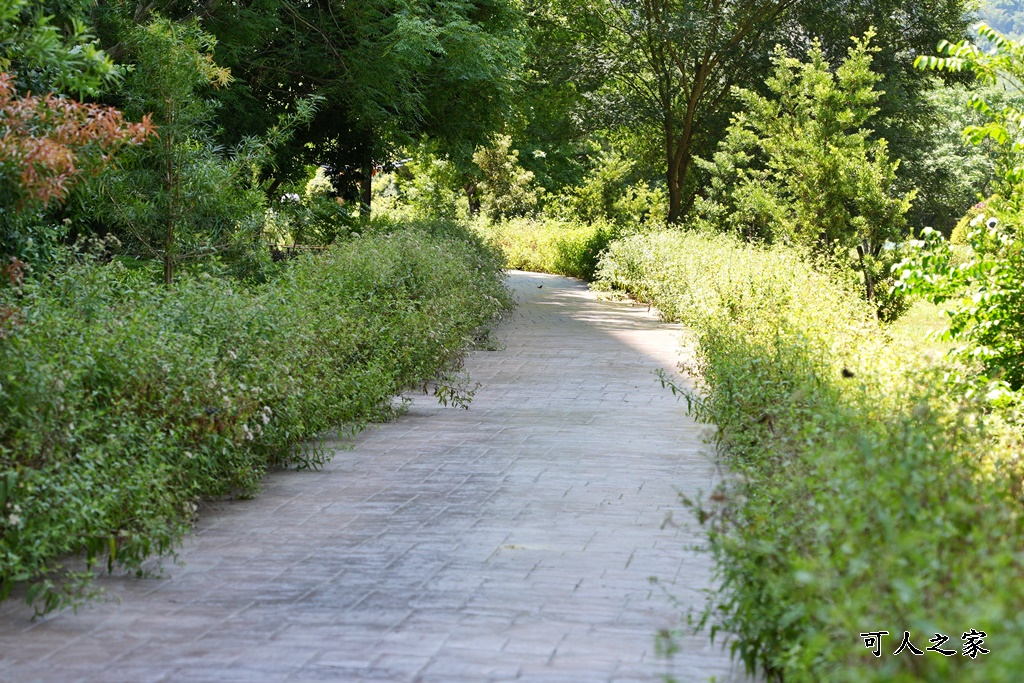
(9, 315)
(48, 142)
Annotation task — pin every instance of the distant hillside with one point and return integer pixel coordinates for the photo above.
(1006, 16)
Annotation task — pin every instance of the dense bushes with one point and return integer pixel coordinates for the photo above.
(122, 402)
(862, 498)
(548, 245)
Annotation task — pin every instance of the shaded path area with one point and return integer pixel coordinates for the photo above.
(513, 541)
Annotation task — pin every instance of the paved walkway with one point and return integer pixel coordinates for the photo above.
(510, 541)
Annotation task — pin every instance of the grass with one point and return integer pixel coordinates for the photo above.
(920, 328)
(548, 245)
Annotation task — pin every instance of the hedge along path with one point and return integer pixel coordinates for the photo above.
(511, 541)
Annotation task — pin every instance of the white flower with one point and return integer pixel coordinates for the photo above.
(188, 454)
(247, 432)
(14, 520)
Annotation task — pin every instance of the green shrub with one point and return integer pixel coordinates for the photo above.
(611, 192)
(863, 497)
(549, 245)
(508, 190)
(123, 402)
(983, 290)
(800, 167)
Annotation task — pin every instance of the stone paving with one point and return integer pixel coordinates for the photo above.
(513, 541)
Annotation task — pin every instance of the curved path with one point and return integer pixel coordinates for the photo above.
(511, 541)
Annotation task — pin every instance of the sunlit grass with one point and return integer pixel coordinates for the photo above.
(920, 329)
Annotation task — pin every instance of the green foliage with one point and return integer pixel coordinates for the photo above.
(180, 197)
(982, 288)
(673, 64)
(914, 124)
(800, 167)
(557, 117)
(984, 297)
(124, 402)
(318, 186)
(549, 245)
(863, 497)
(1003, 66)
(389, 71)
(964, 226)
(313, 219)
(661, 71)
(316, 217)
(431, 184)
(611, 192)
(175, 198)
(508, 190)
(954, 174)
(52, 53)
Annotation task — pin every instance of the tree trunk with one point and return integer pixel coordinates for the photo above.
(675, 196)
(678, 167)
(473, 196)
(171, 187)
(366, 189)
(869, 284)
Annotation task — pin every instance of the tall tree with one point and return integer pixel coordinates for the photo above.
(669, 66)
(182, 196)
(387, 70)
(800, 166)
(558, 114)
(678, 60)
(908, 117)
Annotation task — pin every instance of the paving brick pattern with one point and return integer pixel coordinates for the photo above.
(513, 541)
